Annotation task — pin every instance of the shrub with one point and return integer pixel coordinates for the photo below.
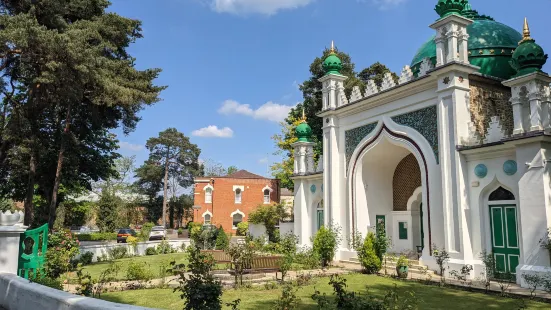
(222, 240)
(118, 252)
(367, 256)
(241, 257)
(63, 247)
(165, 248)
(325, 244)
(105, 236)
(145, 231)
(85, 284)
(307, 258)
(150, 251)
(382, 242)
(269, 216)
(138, 271)
(180, 231)
(242, 228)
(43, 279)
(442, 257)
(288, 299)
(199, 290)
(86, 258)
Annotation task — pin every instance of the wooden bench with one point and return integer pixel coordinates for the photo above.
(266, 264)
(219, 255)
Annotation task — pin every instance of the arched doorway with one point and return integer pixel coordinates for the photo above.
(504, 230)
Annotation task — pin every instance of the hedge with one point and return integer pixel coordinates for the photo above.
(97, 236)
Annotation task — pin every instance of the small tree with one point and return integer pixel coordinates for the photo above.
(222, 240)
(534, 281)
(269, 216)
(325, 243)
(242, 228)
(442, 258)
(368, 256)
(289, 250)
(242, 256)
(199, 290)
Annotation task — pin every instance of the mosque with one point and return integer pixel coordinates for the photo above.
(455, 155)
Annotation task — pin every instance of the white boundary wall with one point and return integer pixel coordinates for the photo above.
(101, 249)
(19, 294)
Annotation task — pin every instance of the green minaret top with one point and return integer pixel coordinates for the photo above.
(448, 7)
(303, 130)
(332, 64)
(529, 57)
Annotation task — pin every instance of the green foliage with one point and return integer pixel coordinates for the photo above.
(325, 244)
(367, 256)
(76, 213)
(151, 251)
(402, 261)
(138, 271)
(7, 204)
(242, 228)
(118, 252)
(288, 299)
(165, 248)
(307, 258)
(533, 281)
(85, 284)
(43, 279)
(108, 212)
(382, 242)
(269, 216)
(199, 290)
(343, 299)
(145, 231)
(222, 240)
(97, 236)
(241, 256)
(442, 257)
(376, 72)
(86, 258)
(180, 231)
(63, 247)
(463, 275)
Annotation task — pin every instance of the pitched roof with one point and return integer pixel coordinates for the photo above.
(243, 174)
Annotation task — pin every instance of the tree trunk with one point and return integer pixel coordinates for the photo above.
(30, 190)
(165, 185)
(60, 157)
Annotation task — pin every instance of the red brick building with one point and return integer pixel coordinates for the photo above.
(229, 200)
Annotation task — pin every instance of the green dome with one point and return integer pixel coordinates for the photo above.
(529, 57)
(304, 132)
(491, 45)
(448, 7)
(332, 64)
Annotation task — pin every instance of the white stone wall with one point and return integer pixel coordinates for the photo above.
(257, 231)
(101, 249)
(19, 294)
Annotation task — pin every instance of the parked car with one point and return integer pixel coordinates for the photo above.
(157, 233)
(125, 233)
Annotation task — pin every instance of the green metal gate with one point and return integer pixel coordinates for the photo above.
(32, 250)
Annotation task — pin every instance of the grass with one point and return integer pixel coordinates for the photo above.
(431, 297)
(154, 261)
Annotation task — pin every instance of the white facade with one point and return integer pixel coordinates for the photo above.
(463, 173)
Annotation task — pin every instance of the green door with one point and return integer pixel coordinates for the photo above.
(321, 218)
(505, 241)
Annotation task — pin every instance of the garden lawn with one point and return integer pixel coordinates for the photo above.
(430, 297)
(155, 263)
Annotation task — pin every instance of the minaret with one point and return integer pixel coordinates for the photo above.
(451, 32)
(333, 81)
(304, 149)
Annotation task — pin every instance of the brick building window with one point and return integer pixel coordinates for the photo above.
(208, 195)
(237, 218)
(207, 219)
(266, 196)
(238, 195)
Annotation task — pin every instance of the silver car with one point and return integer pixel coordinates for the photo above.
(157, 233)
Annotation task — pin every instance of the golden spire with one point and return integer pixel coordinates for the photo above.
(303, 116)
(332, 47)
(526, 32)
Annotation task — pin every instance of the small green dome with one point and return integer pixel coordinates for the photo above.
(529, 57)
(332, 64)
(448, 7)
(491, 45)
(303, 131)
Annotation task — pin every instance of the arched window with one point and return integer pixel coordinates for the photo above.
(207, 218)
(266, 196)
(320, 215)
(208, 195)
(238, 195)
(237, 218)
(501, 194)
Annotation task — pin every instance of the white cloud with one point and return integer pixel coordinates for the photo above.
(266, 7)
(269, 111)
(130, 147)
(213, 132)
(263, 160)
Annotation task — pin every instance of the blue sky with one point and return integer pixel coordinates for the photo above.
(233, 66)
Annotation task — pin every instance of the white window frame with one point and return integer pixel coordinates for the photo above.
(205, 189)
(235, 213)
(210, 217)
(269, 195)
(241, 189)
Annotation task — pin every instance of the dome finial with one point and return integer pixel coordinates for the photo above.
(303, 116)
(526, 31)
(332, 47)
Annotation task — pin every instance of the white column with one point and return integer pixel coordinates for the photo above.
(463, 47)
(9, 247)
(310, 159)
(453, 44)
(440, 57)
(546, 110)
(302, 218)
(535, 112)
(518, 116)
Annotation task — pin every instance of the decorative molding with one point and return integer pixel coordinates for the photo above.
(371, 88)
(356, 94)
(208, 186)
(237, 212)
(424, 121)
(353, 137)
(406, 76)
(495, 131)
(267, 188)
(241, 187)
(473, 139)
(205, 213)
(344, 100)
(388, 82)
(426, 66)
